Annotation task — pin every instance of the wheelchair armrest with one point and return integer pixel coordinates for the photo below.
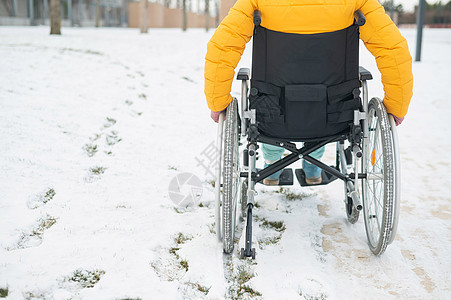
(364, 74)
(243, 74)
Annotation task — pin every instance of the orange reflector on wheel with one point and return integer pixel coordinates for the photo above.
(373, 157)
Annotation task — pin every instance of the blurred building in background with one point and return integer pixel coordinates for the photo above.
(124, 13)
(437, 15)
(169, 13)
(73, 12)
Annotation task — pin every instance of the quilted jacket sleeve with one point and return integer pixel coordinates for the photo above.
(224, 51)
(383, 39)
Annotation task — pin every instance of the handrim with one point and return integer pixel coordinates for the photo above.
(378, 193)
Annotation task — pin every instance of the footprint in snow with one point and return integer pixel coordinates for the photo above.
(34, 235)
(41, 198)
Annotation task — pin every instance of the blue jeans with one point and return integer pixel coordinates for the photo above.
(272, 154)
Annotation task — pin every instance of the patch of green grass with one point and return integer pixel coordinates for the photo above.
(49, 194)
(172, 168)
(93, 52)
(87, 279)
(178, 210)
(112, 138)
(110, 122)
(4, 292)
(309, 297)
(82, 51)
(181, 238)
(90, 149)
(257, 205)
(44, 223)
(97, 170)
(201, 204)
(268, 241)
(276, 225)
(249, 290)
(184, 264)
(174, 250)
(212, 227)
(128, 102)
(203, 289)
(291, 196)
(243, 276)
(142, 96)
(95, 137)
(199, 287)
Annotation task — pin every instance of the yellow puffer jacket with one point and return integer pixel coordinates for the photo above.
(380, 35)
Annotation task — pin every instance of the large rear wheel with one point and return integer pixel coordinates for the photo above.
(378, 186)
(231, 176)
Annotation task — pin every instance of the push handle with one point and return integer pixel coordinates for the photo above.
(257, 17)
(359, 17)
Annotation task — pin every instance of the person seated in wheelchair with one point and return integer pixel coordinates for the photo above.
(282, 65)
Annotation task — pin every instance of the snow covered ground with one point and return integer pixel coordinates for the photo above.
(97, 122)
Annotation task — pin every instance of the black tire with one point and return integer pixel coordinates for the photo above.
(378, 188)
(231, 178)
(352, 214)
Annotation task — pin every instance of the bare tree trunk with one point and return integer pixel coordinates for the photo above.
(55, 17)
(9, 8)
(217, 13)
(207, 15)
(143, 16)
(184, 16)
(97, 13)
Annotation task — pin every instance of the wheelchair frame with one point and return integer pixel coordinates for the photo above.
(358, 192)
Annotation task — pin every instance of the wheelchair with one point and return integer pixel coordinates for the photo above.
(292, 99)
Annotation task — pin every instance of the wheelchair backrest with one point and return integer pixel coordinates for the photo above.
(305, 86)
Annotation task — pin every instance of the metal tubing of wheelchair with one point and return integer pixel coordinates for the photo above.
(279, 165)
(326, 168)
(365, 128)
(248, 246)
(344, 168)
(275, 142)
(293, 157)
(244, 89)
(251, 170)
(355, 195)
(356, 200)
(365, 108)
(344, 165)
(307, 150)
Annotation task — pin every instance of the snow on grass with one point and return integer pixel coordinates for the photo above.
(97, 122)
